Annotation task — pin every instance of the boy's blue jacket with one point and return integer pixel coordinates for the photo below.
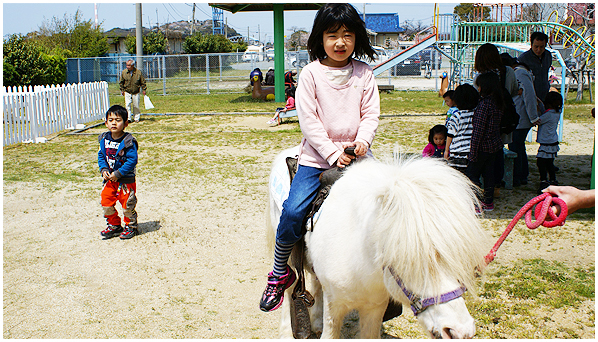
(126, 158)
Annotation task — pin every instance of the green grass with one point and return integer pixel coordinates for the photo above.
(550, 283)
(393, 103)
(519, 300)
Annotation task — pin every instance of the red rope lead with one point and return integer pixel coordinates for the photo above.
(541, 214)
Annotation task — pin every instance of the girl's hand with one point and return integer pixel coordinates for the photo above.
(446, 153)
(344, 160)
(360, 148)
(106, 175)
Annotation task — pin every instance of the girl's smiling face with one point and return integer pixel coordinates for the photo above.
(339, 46)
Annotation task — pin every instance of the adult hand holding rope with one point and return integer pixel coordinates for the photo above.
(574, 198)
(550, 211)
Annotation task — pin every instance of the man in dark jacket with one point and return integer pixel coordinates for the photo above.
(539, 60)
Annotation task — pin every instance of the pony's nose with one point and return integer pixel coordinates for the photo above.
(454, 333)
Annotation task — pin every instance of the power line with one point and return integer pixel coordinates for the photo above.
(175, 10)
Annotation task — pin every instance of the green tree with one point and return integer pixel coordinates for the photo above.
(87, 41)
(200, 43)
(26, 64)
(239, 46)
(23, 63)
(466, 12)
(298, 40)
(153, 42)
(71, 37)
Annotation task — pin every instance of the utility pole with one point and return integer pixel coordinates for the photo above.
(225, 27)
(95, 9)
(193, 19)
(139, 36)
(259, 34)
(157, 20)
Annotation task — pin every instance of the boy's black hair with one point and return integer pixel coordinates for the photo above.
(541, 36)
(118, 110)
(489, 85)
(449, 94)
(332, 17)
(435, 130)
(466, 97)
(553, 100)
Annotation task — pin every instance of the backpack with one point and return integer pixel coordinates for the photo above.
(510, 118)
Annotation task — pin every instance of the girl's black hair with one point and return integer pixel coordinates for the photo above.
(553, 100)
(466, 97)
(436, 130)
(332, 17)
(487, 58)
(290, 92)
(489, 85)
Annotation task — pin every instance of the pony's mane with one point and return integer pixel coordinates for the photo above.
(425, 222)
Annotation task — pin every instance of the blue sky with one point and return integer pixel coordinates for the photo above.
(27, 17)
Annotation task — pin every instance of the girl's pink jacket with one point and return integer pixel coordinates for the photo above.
(330, 114)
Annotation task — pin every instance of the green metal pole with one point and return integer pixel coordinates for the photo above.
(279, 52)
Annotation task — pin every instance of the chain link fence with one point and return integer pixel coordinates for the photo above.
(229, 72)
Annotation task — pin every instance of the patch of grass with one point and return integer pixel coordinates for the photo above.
(549, 283)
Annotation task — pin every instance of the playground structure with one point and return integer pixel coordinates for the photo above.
(458, 41)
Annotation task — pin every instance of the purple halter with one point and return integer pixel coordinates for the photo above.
(419, 305)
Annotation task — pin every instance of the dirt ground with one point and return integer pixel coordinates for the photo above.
(198, 268)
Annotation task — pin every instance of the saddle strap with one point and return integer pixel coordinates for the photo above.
(301, 299)
(299, 291)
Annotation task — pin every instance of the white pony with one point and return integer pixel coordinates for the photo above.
(405, 232)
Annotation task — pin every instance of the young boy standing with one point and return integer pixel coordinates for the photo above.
(448, 100)
(117, 160)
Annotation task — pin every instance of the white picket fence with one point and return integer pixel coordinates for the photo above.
(34, 112)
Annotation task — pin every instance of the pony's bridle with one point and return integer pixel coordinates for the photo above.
(418, 304)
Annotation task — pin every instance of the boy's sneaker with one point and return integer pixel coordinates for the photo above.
(128, 233)
(488, 207)
(111, 231)
(274, 292)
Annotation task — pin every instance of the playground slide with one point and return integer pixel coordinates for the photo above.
(403, 55)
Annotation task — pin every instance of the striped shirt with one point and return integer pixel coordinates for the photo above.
(459, 128)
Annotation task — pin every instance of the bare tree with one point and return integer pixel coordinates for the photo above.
(412, 27)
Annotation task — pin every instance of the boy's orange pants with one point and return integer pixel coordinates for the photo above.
(126, 195)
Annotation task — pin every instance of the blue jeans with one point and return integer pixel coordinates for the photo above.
(304, 189)
(520, 164)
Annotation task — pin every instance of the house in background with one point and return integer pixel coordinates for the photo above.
(117, 37)
(385, 25)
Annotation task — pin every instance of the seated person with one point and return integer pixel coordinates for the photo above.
(289, 82)
(290, 94)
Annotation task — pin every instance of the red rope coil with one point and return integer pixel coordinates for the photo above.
(543, 214)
